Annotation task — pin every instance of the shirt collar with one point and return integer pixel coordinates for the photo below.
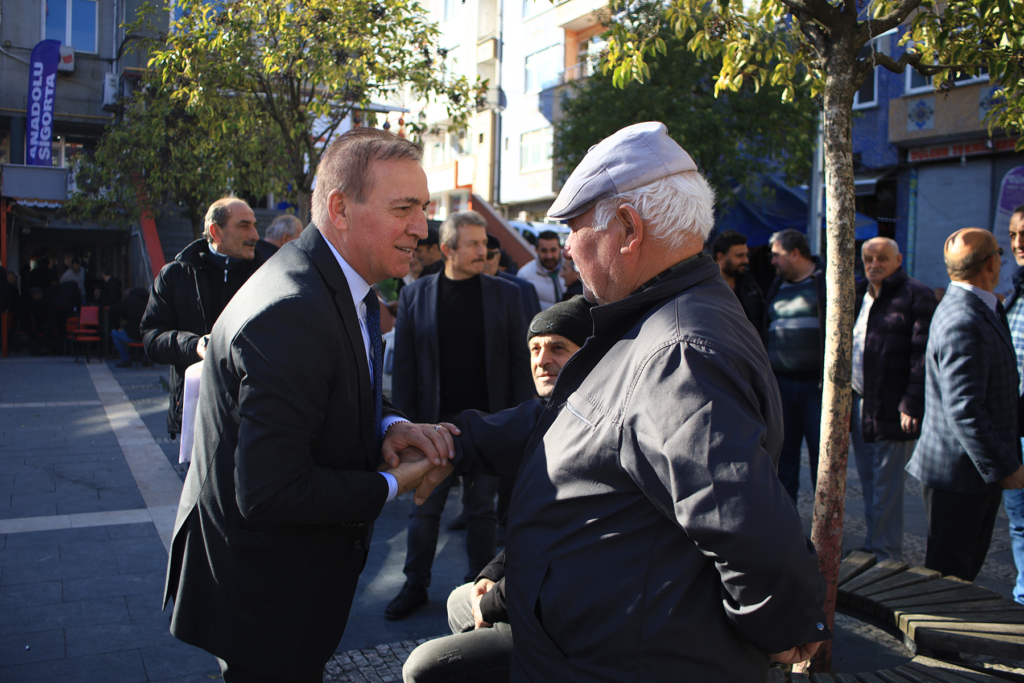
(358, 287)
(988, 297)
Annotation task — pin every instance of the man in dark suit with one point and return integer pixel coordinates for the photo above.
(277, 510)
(968, 451)
(458, 346)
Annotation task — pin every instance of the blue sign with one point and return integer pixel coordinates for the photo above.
(42, 83)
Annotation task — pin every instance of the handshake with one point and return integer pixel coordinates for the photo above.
(419, 455)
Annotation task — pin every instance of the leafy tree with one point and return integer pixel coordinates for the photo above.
(304, 65)
(821, 43)
(733, 138)
(159, 153)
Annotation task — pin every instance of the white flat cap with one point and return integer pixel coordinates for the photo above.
(633, 157)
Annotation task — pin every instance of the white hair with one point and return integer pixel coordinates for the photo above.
(675, 209)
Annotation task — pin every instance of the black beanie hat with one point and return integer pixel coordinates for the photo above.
(570, 319)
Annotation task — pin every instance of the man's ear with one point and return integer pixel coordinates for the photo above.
(215, 233)
(632, 229)
(337, 209)
(444, 251)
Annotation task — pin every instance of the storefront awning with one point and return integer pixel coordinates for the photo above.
(40, 186)
(864, 184)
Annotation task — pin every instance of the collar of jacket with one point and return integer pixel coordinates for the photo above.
(1018, 278)
(198, 255)
(889, 284)
(667, 284)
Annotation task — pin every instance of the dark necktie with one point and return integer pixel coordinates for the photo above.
(376, 350)
(1001, 312)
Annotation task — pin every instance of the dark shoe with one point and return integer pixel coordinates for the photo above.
(459, 523)
(410, 598)
(124, 364)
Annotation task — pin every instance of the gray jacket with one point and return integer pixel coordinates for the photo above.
(969, 433)
(649, 538)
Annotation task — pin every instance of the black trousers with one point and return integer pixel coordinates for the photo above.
(959, 530)
(234, 674)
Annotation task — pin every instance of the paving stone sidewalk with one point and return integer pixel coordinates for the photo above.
(82, 556)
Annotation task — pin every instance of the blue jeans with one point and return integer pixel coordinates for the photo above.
(121, 339)
(880, 466)
(1013, 503)
(801, 419)
(425, 522)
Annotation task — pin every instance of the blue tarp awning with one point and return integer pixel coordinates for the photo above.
(758, 217)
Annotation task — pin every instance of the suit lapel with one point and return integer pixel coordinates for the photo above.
(489, 297)
(429, 319)
(991, 317)
(316, 246)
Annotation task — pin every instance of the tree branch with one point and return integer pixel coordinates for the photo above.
(894, 18)
(818, 10)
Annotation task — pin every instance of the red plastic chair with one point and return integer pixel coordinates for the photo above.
(88, 331)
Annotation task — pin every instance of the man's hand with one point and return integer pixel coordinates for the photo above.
(480, 588)
(909, 424)
(201, 346)
(410, 472)
(800, 653)
(434, 441)
(431, 481)
(1015, 480)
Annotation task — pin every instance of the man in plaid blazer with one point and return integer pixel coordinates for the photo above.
(968, 451)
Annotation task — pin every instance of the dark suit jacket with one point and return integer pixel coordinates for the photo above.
(416, 384)
(531, 304)
(276, 514)
(969, 434)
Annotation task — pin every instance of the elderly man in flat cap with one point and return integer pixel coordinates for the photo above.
(649, 537)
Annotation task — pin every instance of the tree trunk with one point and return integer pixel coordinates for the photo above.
(302, 198)
(830, 497)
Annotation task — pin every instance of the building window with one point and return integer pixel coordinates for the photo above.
(452, 8)
(867, 96)
(916, 83)
(542, 68)
(535, 150)
(72, 22)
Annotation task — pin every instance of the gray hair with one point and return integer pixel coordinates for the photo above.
(345, 165)
(283, 226)
(219, 213)
(676, 209)
(449, 232)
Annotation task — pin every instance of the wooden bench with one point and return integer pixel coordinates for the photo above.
(932, 613)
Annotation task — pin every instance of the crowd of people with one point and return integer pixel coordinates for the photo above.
(626, 413)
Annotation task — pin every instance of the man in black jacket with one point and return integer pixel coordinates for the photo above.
(729, 250)
(191, 291)
(477, 613)
(892, 313)
(458, 346)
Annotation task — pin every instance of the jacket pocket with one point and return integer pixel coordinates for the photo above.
(546, 613)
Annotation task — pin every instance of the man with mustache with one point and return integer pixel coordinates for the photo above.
(893, 312)
(458, 346)
(545, 271)
(191, 291)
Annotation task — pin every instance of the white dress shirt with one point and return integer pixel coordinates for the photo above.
(358, 288)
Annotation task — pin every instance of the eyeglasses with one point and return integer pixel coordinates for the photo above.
(998, 252)
(491, 254)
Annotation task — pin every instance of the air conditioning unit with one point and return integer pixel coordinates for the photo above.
(67, 59)
(111, 91)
